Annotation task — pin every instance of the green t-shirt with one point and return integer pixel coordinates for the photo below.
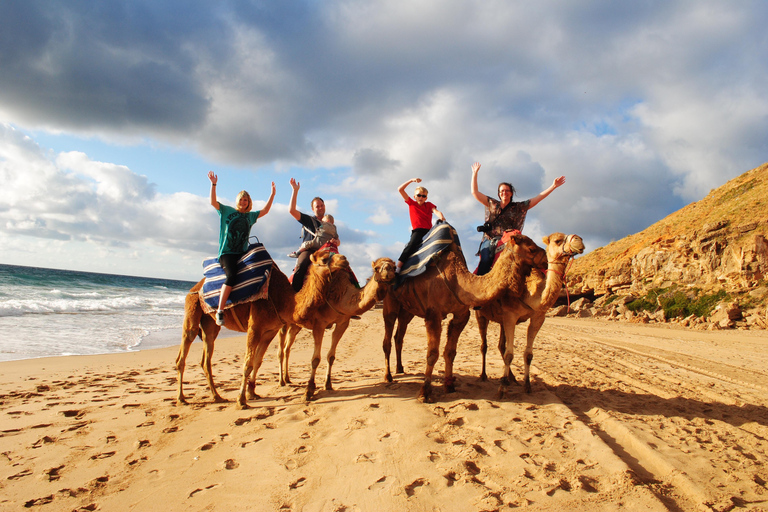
(235, 229)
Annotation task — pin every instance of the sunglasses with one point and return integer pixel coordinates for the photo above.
(421, 195)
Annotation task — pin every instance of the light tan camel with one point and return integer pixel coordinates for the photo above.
(261, 319)
(338, 305)
(448, 287)
(540, 293)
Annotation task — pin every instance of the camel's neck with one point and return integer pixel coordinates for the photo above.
(505, 275)
(361, 300)
(554, 282)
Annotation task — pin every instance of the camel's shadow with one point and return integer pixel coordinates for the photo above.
(582, 399)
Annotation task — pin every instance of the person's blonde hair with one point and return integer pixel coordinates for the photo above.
(245, 194)
(329, 217)
(422, 190)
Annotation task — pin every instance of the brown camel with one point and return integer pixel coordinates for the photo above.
(339, 303)
(540, 293)
(447, 287)
(261, 319)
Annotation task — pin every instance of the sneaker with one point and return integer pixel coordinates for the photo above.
(219, 317)
(293, 254)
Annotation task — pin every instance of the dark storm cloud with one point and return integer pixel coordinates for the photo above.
(104, 65)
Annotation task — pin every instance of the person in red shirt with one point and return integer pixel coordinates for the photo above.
(421, 212)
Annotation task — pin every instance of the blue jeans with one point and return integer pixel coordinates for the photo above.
(487, 252)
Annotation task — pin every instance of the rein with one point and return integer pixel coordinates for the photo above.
(562, 274)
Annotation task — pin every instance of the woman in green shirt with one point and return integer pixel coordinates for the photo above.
(234, 232)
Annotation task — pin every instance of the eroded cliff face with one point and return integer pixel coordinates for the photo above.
(718, 256)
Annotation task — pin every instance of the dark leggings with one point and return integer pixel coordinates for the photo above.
(228, 263)
(417, 235)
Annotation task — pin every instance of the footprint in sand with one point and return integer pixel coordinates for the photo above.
(471, 467)
(298, 483)
(53, 474)
(143, 443)
(104, 455)
(231, 464)
(170, 430)
(207, 446)
(410, 489)
(379, 484)
(367, 457)
(39, 501)
(199, 490)
(24, 473)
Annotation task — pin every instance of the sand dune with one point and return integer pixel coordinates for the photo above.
(622, 417)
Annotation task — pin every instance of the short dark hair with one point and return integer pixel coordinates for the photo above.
(311, 203)
(511, 188)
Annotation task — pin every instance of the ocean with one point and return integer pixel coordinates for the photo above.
(46, 312)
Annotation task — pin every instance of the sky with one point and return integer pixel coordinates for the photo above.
(112, 114)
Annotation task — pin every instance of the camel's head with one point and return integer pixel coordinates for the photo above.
(330, 260)
(560, 247)
(384, 270)
(524, 250)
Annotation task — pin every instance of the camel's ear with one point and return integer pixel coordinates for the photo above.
(545, 239)
(373, 265)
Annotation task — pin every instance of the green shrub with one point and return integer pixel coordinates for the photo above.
(678, 304)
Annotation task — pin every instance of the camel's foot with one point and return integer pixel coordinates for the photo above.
(388, 377)
(399, 369)
(328, 385)
(217, 399)
(449, 385)
(508, 380)
(483, 377)
(310, 392)
(425, 394)
(527, 386)
(181, 401)
(252, 391)
(242, 405)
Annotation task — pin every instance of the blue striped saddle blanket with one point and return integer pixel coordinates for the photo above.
(253, 271)
(435, 241)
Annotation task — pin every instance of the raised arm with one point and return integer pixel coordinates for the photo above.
(267, 207)
(214, 179)
(439, 214)
(402, 187)
(482, 198)
(294, 194)
(536, 200)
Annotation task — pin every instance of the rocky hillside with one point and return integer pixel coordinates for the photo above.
(718, 244)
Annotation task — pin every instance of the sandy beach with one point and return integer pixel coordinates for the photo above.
(622, 417)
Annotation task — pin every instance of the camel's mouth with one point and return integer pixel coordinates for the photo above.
(574, 245)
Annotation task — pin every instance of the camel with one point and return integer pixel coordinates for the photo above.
(261, 319)
(338, 305)
(542, 288)
(447, 287)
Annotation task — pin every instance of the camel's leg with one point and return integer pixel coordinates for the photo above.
(482, 326)
(455, 326)
(317, 334)
(533, 329)
(250, 354)
(258, 358)
(403, 319)
(209, 331)
(508, 326)
(287, 339)
(502, 350)
(433, 323)
(190, 330)
(389, 314)
(338, 332)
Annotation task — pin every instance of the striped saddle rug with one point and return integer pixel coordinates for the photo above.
(435, 241)
(253, 271)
